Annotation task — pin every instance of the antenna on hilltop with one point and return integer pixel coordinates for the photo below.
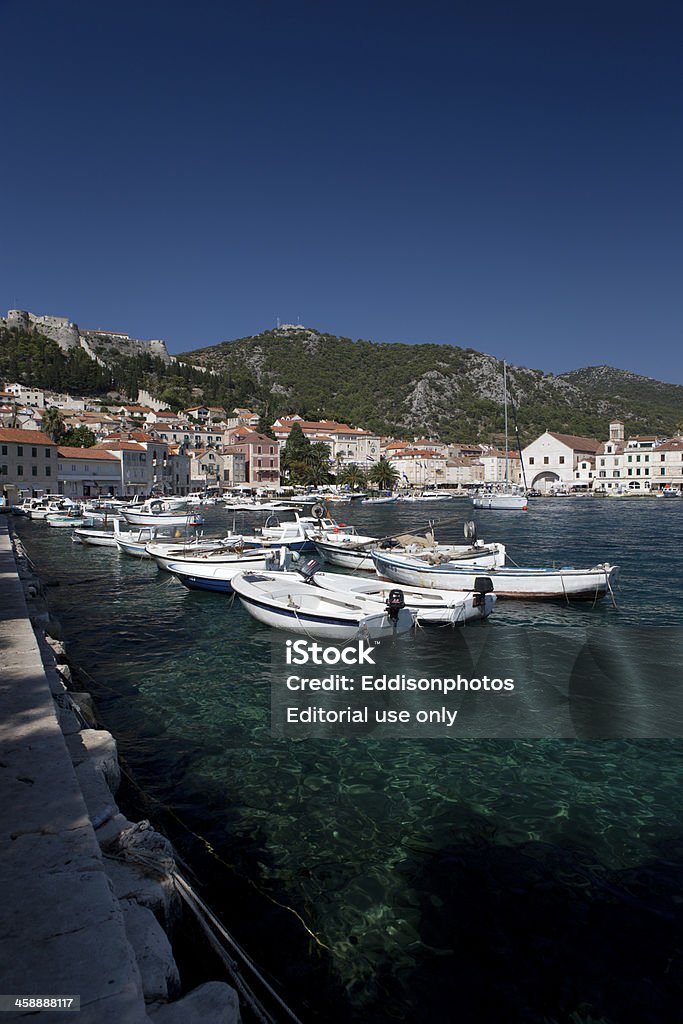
(278, 320)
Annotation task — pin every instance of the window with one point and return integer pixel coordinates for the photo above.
(602, 462)
(48, 471)
(546, 460)
(3, 470)
(531, 461)
(34, 453)
(662, 458)
(662, 471)
(4, 450)
(34, 471)
(20, 470)
(20, 449)
(258, 449)
(562, 460)
(48, 453)
(630, 458)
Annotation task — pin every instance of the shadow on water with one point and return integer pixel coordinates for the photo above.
(534, 933)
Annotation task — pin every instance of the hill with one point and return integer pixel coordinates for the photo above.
(451, 392)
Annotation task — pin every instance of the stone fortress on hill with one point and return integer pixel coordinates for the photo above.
(69, 336)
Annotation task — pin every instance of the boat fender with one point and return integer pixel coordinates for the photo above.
(318, 511)
(395, 604)
(483, 585)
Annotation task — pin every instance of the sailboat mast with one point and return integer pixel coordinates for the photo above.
(505, 398)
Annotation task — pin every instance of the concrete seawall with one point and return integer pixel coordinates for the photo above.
(74, 922)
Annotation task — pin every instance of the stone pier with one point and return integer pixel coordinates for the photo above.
(73, 923)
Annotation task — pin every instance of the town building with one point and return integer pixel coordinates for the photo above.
(498, 468)
(551, 460)
(419, 468)
(667, 465)
(261, 456)
(214, 469)
(464, 473)
(87, 472)
(28, 463)
(26, 396)
(348, 445)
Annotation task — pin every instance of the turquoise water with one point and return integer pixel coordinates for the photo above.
(474, 880)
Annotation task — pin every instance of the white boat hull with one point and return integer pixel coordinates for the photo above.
(501, 502)
(564, 584)
(285, 601)
(96, 538)
(431, 607)
(180, 520)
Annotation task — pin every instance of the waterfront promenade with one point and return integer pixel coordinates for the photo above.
(63, 931)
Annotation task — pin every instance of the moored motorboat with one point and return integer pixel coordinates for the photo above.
(286, 601)
(63, 520)
(154, 513)
(226, 554)
(566, 583)
(435, 607)
(217, 576)
(355, 552)
(94, 537)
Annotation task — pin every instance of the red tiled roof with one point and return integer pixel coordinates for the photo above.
(24, 436)
(85, 453)
(674, 445)
(578, 444)
(117, 446)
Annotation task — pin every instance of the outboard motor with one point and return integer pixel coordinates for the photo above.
(308, 569)
(483, 585)
(396, 602)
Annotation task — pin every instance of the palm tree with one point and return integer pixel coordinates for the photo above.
(384, 474)
(53, 423)
(353, 475)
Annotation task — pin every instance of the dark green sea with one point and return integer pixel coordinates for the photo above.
(529, 880)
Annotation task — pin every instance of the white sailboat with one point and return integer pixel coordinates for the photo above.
(506, 496)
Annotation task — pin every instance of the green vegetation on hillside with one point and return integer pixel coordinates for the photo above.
(452, 393)
(447, 392)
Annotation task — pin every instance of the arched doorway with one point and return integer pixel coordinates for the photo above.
(545, 482)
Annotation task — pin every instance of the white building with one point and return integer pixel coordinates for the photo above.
(26, 396)
(420, 468)
(667, 465)
(633, 465)
(551, 460)
(87, 472)
(348, 445)
(464, 472)
(497, 468)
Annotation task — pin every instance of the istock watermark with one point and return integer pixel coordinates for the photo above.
(506, 683)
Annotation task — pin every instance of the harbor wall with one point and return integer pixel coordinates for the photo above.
(88, 897)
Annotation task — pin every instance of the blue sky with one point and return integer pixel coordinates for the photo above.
(505, 177)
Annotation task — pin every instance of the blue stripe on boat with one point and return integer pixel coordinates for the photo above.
(290, 613)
